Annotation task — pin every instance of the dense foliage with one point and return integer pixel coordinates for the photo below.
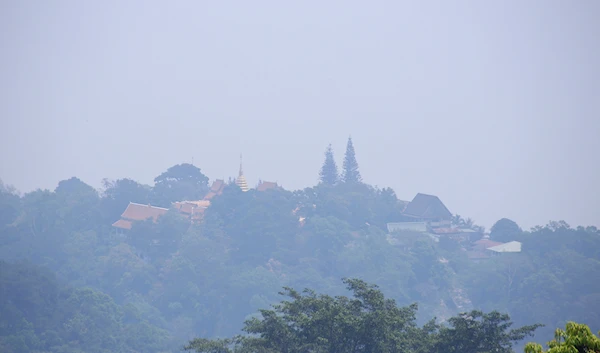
(576, 338)
(368, 322)
(173, 280)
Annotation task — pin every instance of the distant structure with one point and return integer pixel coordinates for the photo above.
(267, 185)
(510, 247)
(428, 216)
(430, 209)
(485, 248)
(216, 189)
(136, 212)
(192, 209)
(241, 179)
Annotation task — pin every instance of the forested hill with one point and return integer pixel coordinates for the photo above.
(71, 280)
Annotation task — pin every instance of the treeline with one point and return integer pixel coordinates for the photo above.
(204, 279)
(41, 314)
(369, 322)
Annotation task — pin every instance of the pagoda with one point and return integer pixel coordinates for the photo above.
(241, 179)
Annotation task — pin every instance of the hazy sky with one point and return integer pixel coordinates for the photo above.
(494, 106)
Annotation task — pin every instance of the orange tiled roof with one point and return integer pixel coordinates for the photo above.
(139, 212)
(183, 207)
(123, 224)
(485, 243)
(217, 186)
(190, 207)
(266, 185)
(216, 189)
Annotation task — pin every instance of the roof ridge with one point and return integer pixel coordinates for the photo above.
(146, 205)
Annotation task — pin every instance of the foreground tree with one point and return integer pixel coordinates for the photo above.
(577, 338)
(367, 322)
(351, 173)
(479, 332)
(329, 170)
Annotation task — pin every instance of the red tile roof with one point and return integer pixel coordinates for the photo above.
(485, 243)
(139, 212)
(194, 209)
(123, 224)
(215, 189)
(217, 185)
(266, 185)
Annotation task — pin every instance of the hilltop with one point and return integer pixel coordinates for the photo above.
(188, 258)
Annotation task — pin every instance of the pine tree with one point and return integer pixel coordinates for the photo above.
(329, 170)
(351, 173)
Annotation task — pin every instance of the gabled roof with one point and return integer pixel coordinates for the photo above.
(266, 185)
(511, 246)
(427, 207)
(215, 189)
(485, 243)
(217, 186)
(190, 207)
(193, 209)
(139, 212)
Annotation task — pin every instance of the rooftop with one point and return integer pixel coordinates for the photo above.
(428, 207)
(139, 212)
(511, 246)
(266, 185)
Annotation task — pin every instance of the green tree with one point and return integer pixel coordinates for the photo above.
(576, 338)
(366, 322)
(351, 173)
(477, 332)
(78, 205)
(119, 193)
(505, 230)
(329, 171)
(180, 182)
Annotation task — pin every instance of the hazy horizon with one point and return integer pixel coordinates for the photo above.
(494, 107)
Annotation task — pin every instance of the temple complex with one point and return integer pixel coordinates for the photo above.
(136, 212)
(193, 209)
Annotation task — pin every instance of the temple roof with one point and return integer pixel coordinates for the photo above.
(427, 207)
(139, 212)
(266, 185)
(123, 224)
(216, 189)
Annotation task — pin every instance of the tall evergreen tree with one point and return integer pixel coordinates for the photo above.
(329, 170)
(351, 173)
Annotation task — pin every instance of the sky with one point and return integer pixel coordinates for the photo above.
(494, 106)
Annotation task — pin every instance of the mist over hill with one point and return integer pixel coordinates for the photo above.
(137, 268)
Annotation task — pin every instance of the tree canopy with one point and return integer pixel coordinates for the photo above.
(179, 182)
(365, 322)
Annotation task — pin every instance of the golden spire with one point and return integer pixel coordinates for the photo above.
(241, 179)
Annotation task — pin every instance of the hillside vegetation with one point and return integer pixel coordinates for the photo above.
(71, 282)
